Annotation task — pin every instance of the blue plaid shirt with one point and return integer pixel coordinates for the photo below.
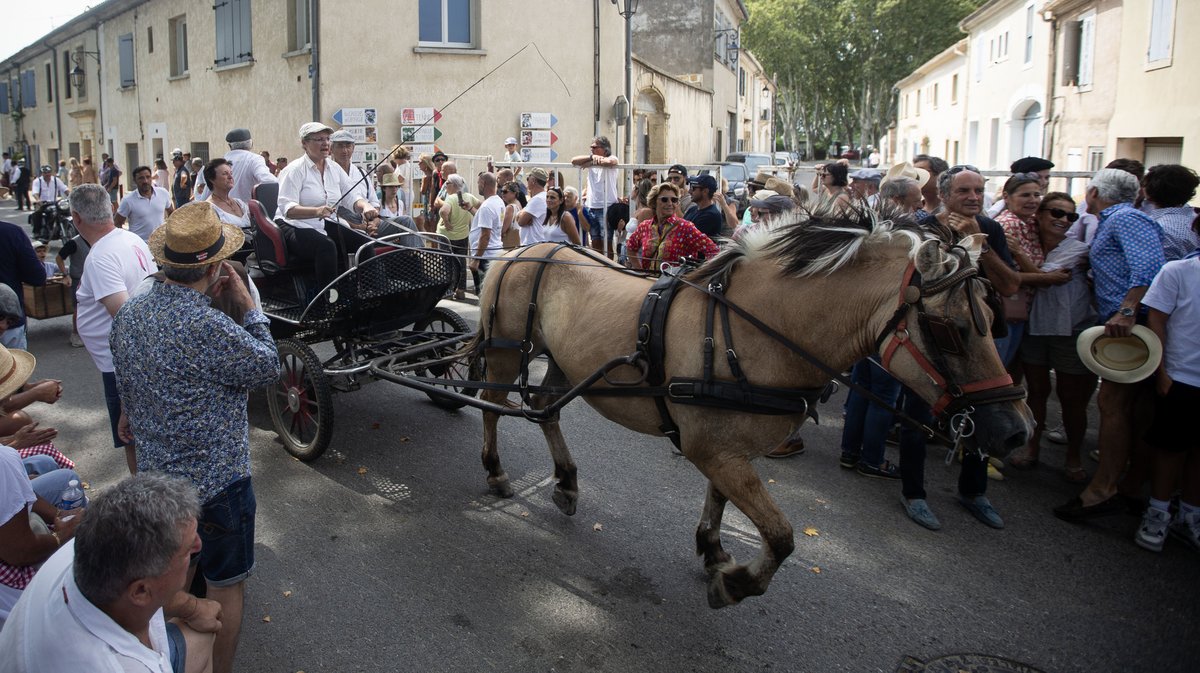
(1179, 239)
(1126, 253)
(183, 371)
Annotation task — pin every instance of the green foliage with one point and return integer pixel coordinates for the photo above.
(836, 60)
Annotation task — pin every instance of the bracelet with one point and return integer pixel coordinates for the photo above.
(57, 540)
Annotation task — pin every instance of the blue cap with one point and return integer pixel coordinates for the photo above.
(706, 181)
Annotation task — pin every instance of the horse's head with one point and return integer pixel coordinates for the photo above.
(938, 341)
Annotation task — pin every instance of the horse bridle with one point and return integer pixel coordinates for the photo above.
(943, 338)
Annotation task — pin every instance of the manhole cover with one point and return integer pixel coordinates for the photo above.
(964, 663)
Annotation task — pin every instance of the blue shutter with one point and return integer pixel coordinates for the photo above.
(125, 54)
(224, 24)
(242, 34)
(28, 89)
(4, 98)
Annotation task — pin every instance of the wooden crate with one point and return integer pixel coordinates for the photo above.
(48, 301)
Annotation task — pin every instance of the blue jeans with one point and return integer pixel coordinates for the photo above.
(112, 399)
(226, 528)
(595, 218)
(51, 480)
(867, 424)
(1007, 346)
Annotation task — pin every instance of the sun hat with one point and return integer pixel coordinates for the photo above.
(761, 197)
(389, 180)
(779, 186)
(341, 136)
(907, 170)
(15, 369)
(194, 236)
(310, 128)
(1120, 359)
(510, 141)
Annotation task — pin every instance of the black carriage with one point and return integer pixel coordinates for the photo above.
(383, 305)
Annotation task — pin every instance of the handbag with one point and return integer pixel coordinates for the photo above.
(1016, 307)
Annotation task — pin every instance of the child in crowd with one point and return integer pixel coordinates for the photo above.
(41, 248)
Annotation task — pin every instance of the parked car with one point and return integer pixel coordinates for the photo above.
(851, 154)
(751, 160)
(736, 174)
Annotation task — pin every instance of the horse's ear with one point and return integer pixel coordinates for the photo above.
(974, 245)
(931, 260)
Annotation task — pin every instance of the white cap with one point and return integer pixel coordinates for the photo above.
(341, 136)
(510, 141)
(313, 127)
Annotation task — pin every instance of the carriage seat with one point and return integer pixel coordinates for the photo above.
(269, 247)
(267, 193)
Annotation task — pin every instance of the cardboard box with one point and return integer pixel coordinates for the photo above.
(48, 301)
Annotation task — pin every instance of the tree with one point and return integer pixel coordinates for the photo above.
(837, 60)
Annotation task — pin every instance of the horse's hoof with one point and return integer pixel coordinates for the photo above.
(500, 489)
(722, 563)
(718, 595)
(564, 502)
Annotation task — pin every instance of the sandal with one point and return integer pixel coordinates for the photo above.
(1022, 461)
(1075, 475)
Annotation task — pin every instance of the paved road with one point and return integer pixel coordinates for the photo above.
(388, 554)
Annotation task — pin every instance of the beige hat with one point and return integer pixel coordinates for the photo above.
(389, 180)
(310, 128)
(907, 170)
(1120, 359)
(194, 236)
(15, 368)
(779, 186)
(539, 173)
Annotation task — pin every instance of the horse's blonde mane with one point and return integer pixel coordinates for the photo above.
(821, 241)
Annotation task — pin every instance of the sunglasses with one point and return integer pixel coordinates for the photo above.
(668, 199)
(1056, 213)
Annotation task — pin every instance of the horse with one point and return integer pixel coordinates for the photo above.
(839, 284)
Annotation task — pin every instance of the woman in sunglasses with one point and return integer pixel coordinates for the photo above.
(1060, 311)
(1022, 195)
(665, 238)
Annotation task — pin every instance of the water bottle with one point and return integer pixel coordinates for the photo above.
(72, 497)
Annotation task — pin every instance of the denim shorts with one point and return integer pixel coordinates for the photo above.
(226, 529)
(595, 218)
(176, 648)
(112, 398)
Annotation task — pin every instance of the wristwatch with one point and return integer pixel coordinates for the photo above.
(1126, 311)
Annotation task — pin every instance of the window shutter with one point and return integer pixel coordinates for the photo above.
(224, 25)
(244, 50)
(978, 54)
(125, 55)
(1070, 53)
(1161, 29)
(1087, 48)
(28, 89)
(3, 97)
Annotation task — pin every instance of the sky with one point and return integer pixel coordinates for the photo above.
(26, 21)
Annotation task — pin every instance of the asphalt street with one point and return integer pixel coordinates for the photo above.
(388, 554)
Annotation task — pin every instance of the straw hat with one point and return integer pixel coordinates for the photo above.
(1120, 359)
(907, 170)
(389, 180)
(779, 186)
(193, 236)
(15, 368)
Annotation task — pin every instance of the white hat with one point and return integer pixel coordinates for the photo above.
(510, 141)
(907, 170)
(341, 136)
(310, 128)
(1120, 359)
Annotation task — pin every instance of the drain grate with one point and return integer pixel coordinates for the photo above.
(964, 663)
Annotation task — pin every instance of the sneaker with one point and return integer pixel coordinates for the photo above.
(1187, 528)
(848, 460)
(918, 510)
(1056, 434)
(1153, 531)
(1094, 454)
(885, 471)
(993, 473)
(76, 342)
(982, 509)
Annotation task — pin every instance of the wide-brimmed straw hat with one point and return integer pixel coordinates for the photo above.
(907, 170)
(193, 236)
(1120, 359)
(15, 368)
(779, 186)
(389, 180)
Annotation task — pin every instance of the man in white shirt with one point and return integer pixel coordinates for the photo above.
(486, 243)
(601, 185)
(92, 608)
(5, 169)
(147, 208)
(341, 151)
(116, 264)
(249, 169)
(533, 216)
(48, 187)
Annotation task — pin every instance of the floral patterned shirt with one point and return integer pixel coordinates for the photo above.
(183, 372)
(682, 239)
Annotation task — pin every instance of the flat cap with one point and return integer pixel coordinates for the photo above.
(237, 136)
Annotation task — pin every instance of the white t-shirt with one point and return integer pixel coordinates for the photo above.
(15, 495)
(602, 187)
(249, 169)
(145, 214)
(1176, 292)
(54, 613)
(535, 232)
(489, 216)
(117, 263)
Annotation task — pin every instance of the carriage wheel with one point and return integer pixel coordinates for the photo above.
(445, 321)
(301, 401)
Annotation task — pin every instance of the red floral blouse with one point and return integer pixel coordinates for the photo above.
(648, 249)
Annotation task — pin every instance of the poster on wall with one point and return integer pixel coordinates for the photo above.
(538, 120)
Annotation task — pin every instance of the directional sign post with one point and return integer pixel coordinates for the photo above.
(538, 138)
(538, 155)
(363, 134)
(355, 116)
(419, 115)
(419, 149)
(538, 120)
(419, 134)
(365, 154)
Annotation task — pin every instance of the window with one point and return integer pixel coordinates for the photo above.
(1087, 49)
(177, 36)
(935, 95)
(446, 23)
(233, 32)
(1001, 47)
(125, 56)
(200, 150)
(741, 81)
(28, 89)
(49, 82)
(1029, 35)
(977, 53)
(918, 97)
(66, 76)
(149, 39)
(1162, 30)
(299, 30)
(4, 98)
(1095, 158)
(954, 90)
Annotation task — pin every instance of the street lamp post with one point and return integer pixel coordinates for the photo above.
(77, 74)
(627, 9)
